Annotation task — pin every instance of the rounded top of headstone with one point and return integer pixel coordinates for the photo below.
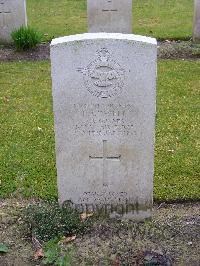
(103, 35)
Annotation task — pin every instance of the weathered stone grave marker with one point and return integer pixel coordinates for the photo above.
(12, 16)
(109, 16)
(104, 107)
(196, 23)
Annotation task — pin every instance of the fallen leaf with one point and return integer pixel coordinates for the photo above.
(85, 215)
(116, 262)
(38, 254)
(68, 239)
(36, 243)
(5, 99)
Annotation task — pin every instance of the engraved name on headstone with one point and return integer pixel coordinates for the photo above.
(5, 14)
(12, 16)
(104, 108)
(109, 16)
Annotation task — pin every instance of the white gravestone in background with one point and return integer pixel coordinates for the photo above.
(104, 93)
(196, 23)
(109, 16)
(12, 16)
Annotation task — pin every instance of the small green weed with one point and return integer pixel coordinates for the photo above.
(48, 221)
(51, 252)
(25, 38)
(56, 255)
(3, 248)
(196, 49)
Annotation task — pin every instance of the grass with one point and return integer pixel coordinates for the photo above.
(26, 38)
(171, 19)
(56, 18)
(27, 158)
(27, 142)
(177, 168)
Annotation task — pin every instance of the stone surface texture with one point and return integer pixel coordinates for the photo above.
(12, 16)
(196, 23)
(104, 93)
(109, 16)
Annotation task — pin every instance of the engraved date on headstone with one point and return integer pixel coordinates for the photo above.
(105, 119)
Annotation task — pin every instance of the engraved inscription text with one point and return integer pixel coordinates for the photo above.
(109, 6)
(4, 12)
(104, 120)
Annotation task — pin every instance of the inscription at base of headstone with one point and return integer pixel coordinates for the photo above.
(109, 16)
(196, 23)
(12, 16)
(104, 91)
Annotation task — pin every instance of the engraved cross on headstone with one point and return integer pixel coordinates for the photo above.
(3, 13)
(105, 158)
(109, 9)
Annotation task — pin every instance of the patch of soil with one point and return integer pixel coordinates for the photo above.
(20, 251)
(166, 50)
(178, 50)
(8, 53)
(170, 238)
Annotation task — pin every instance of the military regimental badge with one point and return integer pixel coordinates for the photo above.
(103, 77)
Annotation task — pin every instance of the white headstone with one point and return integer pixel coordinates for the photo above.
(104, 93)
(12, 16)
(196, 24)
(109, 16)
